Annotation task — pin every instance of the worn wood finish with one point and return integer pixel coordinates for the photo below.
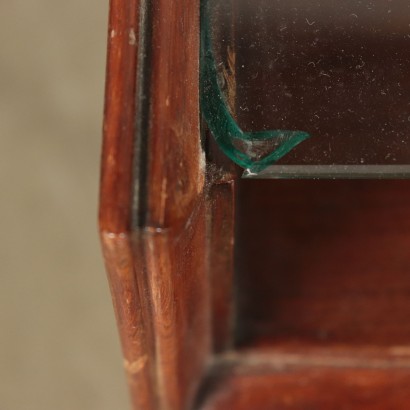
(263, 384)
(153, 203)
(116, 201)
(322, 306)
(179, 309)
(131, 311)
(176, 169)
(119, 116)
(175, 210)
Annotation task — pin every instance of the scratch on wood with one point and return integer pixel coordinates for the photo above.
(164, 196)
(132, 38)
(135, 366)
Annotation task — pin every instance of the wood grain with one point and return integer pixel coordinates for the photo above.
(325, 261)
(244, 384)
(119, 116)
(132, 313)
(176, 170)
(321, 267)
(153, 200)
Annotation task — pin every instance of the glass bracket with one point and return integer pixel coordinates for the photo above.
(253, 151)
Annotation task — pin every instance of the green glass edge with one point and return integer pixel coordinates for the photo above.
(220, 122)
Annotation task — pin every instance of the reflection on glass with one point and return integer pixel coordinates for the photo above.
(275, 72)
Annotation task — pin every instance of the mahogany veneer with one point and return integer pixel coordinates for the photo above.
(325, 261)
(304, 388)
(314, 312)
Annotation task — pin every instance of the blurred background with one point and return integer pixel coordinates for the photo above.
(58, 340)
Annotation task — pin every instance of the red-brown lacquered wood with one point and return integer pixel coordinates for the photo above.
(322, 266)
(136, 338)
(115, 201)
(266, 383)
(325, 261)
(176, 170)
(180, 315)
(153, 221)
(222, 177)
(221, 230)
(119, 116)
(220, 259)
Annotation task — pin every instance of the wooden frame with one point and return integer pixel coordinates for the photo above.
(159, 208)
(167, 225)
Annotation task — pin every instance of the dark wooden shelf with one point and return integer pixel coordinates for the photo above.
(270, 383)
(324, 261)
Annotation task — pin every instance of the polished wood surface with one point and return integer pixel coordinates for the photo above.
(119, 117)
(116, 200)
(314, 312)
(325, 261)
(153, 201)
(265, 384)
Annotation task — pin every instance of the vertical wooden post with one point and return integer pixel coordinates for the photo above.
(153, 200)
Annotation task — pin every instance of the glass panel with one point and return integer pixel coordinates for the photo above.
(309, 88)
